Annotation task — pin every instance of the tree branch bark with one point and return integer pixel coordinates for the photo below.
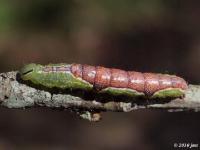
(14, 94)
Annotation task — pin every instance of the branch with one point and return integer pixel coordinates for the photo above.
(14, 94)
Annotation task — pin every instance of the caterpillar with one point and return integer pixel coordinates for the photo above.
(105, 80)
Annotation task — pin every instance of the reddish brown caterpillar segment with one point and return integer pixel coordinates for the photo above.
(148, 83)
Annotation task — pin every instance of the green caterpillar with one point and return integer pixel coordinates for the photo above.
(105, 80)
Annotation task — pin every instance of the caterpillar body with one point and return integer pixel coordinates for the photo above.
(105, 80)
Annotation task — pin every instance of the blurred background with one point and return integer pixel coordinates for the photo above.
(141, 35)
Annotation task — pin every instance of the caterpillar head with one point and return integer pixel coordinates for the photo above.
(30, 71)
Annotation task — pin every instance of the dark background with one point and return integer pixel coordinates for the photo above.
(142, 35)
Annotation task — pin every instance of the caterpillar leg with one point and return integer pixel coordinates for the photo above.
(122, 91)
(168, 93)
(161, 94)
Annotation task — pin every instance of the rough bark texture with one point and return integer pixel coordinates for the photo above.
(14, 94)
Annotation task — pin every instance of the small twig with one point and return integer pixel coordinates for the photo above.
(14, 94)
